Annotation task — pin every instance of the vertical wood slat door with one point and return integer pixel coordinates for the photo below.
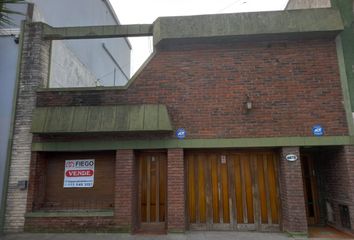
(152, 189)
(232, 191)
(310, 189)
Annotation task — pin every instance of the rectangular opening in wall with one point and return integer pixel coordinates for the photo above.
(103, 62)
(60, 187)
(89, 63)
(344, 216)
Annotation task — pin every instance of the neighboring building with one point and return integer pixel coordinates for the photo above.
(73, 62)
(236, 122)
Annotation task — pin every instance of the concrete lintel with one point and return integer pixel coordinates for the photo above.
(91, 32)
(240, 25)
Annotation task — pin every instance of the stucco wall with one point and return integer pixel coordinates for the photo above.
(66, 67)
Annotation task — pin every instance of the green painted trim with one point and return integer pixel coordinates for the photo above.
(12, 128)
(93, 32)
(297, 234)
(45, 214)
(193, 143)
(345, 86)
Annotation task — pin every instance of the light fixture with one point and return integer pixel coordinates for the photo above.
(248, 103)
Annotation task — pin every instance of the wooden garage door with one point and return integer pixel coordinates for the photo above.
(232, 191)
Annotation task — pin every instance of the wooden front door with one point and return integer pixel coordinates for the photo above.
(310, 190)
(232, 191)
(152, 190)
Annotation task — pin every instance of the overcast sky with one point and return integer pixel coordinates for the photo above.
(143, 11)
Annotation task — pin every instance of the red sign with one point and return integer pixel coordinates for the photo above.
(79, 173)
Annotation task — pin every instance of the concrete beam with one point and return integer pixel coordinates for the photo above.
(248, 25)
(91, 32)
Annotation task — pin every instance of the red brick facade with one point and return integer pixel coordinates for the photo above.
(291, 84)
(69, 224)
(125, 190)
(336, 171)
(175, 191)
(291, 192)
(36, 190)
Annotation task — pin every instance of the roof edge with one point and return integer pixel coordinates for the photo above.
(250, 24)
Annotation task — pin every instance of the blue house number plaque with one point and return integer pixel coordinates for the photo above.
(317, 130)
(181, 133)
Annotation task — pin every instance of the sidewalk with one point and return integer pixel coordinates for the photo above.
(120, 236)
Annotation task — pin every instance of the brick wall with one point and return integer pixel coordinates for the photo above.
(125, 190)
(336, 170)
(46, 182)
(46, 190)
(205, 87)
(175, 191)
(37, 182)
(34, 73)
(291, 193)
(70, 224)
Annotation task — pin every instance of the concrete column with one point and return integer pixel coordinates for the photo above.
(34, 68)
(294, 219)
(175, 191)
(125, 191)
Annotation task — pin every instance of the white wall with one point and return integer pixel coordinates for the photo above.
(65, 67)
(91, 53)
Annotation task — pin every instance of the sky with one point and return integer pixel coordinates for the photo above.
(146, 12)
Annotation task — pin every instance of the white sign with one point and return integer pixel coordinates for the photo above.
(79, 173)
(291, 157)
(223, 159)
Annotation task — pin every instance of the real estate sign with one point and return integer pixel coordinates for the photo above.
(79, 173)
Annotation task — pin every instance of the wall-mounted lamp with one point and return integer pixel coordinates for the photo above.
(249, 104)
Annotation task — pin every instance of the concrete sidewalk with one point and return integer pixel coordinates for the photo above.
(118, 236)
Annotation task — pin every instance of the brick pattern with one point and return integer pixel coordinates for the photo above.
(38, 194)
(70, 224)
(336, 170)
(33, 73)
(125, 190)
(175, 191)
(205, 87)
(36, 183)
(293, 209)
(46, 190)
